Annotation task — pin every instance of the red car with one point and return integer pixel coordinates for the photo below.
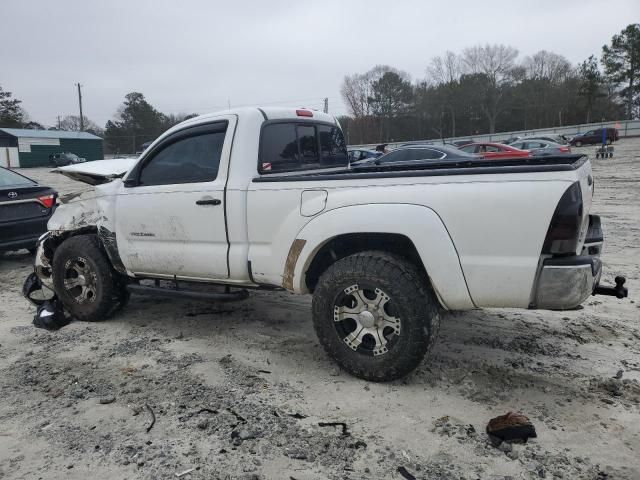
(494, 150)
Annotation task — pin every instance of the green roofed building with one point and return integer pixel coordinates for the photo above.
(31, 148)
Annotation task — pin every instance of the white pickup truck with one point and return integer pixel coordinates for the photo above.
(264, 198)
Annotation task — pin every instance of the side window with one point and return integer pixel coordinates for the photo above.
(395, 156)
(308, 145)
(333, 148)
(491, 148)
(424, 154)
(279, 148)
(192, 159)
(287, 147)
(469, 148)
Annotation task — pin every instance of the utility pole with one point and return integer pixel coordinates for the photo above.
(80, 103)
(58, 122)
(326, 105)
(229, 104)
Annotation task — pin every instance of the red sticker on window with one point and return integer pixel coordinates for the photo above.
(266, 166)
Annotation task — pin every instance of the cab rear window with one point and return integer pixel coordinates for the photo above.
(295, 146)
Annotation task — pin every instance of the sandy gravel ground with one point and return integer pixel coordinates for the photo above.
(240, 390)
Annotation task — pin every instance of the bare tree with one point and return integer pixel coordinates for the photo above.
(446, 71)
(548, 66)
(357, 92)
(72, 123)
(492, 65)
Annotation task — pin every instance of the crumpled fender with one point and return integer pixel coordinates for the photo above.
(88, 211)
(76, 211)
(94, 207)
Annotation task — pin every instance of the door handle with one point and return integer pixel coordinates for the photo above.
(208, 201)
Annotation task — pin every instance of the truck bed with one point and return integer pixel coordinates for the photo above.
(554, 163)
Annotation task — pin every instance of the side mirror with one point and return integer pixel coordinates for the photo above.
(131, 182)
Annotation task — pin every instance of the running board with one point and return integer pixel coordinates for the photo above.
(227, 296)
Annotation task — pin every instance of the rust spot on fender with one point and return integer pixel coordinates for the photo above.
(290, 265)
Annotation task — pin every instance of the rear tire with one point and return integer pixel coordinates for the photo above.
(84, 280)
(397, 321)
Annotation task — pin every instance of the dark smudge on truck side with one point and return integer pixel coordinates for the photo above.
(108, 239)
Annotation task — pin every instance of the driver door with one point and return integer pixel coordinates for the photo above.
(170, 213)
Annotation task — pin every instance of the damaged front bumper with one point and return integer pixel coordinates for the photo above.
(43, 259)
(565, 282)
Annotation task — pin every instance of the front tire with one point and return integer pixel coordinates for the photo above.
(578, 144)
(84, 280)
(375, 315)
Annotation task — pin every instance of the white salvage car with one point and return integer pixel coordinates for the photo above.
(264, 198)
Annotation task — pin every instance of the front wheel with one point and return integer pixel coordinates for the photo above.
(84, 280)
(375, 315)
(578, 144)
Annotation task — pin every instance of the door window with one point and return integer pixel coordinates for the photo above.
(395, 156)
(423, 154)
(190, 159)
(469, 148)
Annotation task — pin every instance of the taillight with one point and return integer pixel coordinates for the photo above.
(564, 230)
(47, 200)
(565, 149)
(304, 113)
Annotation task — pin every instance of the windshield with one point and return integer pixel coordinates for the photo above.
(9, 178)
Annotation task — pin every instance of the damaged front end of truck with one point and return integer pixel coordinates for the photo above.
(90, 211)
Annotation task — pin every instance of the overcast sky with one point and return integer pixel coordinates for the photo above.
(197, 55)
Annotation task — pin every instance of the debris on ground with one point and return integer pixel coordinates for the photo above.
(51, 316)
(184, 472)
(405, 473)
(345, 432)
(512, 427)
(153, 417)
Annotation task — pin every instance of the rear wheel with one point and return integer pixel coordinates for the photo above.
(84, 280)
(375, 315)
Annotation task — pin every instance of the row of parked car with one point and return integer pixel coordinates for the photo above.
(514, 147)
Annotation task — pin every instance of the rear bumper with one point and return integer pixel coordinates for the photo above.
(563, 283)
(566, 282)
(28, 243)
(22, 233)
